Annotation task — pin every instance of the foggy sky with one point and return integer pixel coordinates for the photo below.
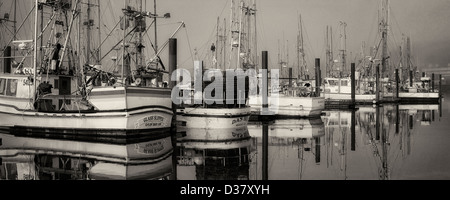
(426, 22)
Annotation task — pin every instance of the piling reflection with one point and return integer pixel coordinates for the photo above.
(32, 158)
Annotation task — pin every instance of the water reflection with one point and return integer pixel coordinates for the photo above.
(213, 154)
(33, 158)
(369, 143)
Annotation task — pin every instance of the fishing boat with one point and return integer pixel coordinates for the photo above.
(369, 79)
(337, 89)
(419, 92)
(297, 96)
(44, 158)
(233, 109)
(60, 91)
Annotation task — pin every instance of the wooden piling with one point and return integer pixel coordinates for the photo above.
(317, 77)
(353, 83)
(172, 69)
(377, 80)
(290, 76)
(397, 83)
(265, 90)
(7, 60)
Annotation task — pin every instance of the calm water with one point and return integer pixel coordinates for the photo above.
(395, 142)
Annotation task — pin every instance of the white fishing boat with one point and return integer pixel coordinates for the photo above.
(62, 92)
(420, 92)
(291, 103)
(296, 98)
(337, 89)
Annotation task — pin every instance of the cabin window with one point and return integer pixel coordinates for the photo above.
(2, 86)
(64, 86)
(344, 83)
(56, 84)
(11, 88)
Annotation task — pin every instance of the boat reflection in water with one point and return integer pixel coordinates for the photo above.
(33, 158)
(370, 143)
(213, 154)
(284, 146)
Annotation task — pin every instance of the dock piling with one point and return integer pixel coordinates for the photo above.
(397, 83)
(317, 77)
(172, 69)
(7, 60)
(353, 83)
(265, 89)
(290, 76)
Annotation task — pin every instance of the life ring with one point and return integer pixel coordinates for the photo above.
(138, 81)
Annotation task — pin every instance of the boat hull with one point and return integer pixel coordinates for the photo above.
(359, 98)
(130, 109)
(138, 120)
(419, 98)
(290, 106)
(214, 118)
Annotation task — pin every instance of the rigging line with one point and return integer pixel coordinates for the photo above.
(111, 10)
(104, 40)
(118, 43)
(189, 44)
(206, 43)
(6, 27)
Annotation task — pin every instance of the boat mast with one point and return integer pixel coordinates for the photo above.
(384, 30)
(216, 44)
(139, 46)
(99, 52)
(343, 47)
(301, 50)
(123, 44)
(224, 43)
(329, 53)
(42, 41)
(156, 28)
(35, 49)
(255, 50)
(408, 57)
(241, 10)
(15, 27)
(88, 32)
